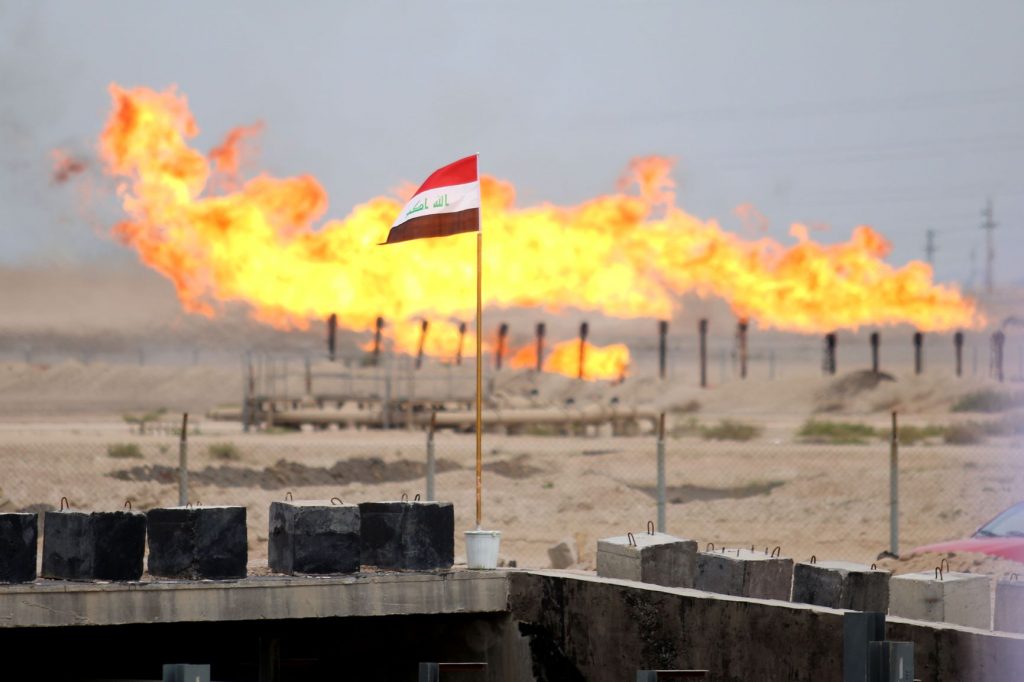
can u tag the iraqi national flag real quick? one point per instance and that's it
(447, 203)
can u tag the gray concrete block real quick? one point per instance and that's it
(18, 543)
(841, 585)
(1009, 606)
(417, 536)
(186, 672)
(314, 537)
(93, 546)
(656, 558)
(744, 573)
(960, 598)
(197, 542)
(563, 555)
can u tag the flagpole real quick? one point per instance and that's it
(479, 380)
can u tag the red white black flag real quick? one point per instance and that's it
(447, 203)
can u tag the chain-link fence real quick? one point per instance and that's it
(732, 483)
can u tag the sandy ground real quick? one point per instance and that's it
(826, 500)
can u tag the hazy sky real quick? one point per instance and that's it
(897, 114)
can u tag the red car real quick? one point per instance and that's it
(1003, 537)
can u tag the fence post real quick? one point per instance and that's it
(183, 462)
(430, 456)
(661, 473)
(894, 489)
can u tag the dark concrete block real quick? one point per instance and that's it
(745, 573)
(314, 537)
(93, 546)
(417, 536)
(197, 542)
(18, 542)
(841, 585)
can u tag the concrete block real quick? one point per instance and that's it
(195, 543)
(745, 573)
(417, 536)
(841, 585)
(18, 542)
(960, 598)
(1009, 606)
(656, 558)
(93, 546)
(186, 672)
(563, 555)
(314, 537)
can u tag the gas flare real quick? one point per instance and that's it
(257, 241)
(599, 362)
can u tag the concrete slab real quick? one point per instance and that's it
(93, 546)
(18, 547)
(197, 542)
(1009, 606)
(841, 585)
(745, 573)
(53, 604)
(314, 536)
(414, 536)
(961, 598)
(656, 558)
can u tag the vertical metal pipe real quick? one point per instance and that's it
(661, 473)
(958, 346)
(423, 338)
(377, 340)
(662, 347)
(702, 330)
(502, 336)
(309, 376)
(918, 352)
(183, 462)
(249, 405)
(741, 342)
(584, 330)
(894, 489)
(998, 343)
(332, 333)
(541, 329)
(875, 342)
(829, 365)
(462, 337)
(431, 464)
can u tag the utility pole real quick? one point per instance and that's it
(929, 247)
(990, 253)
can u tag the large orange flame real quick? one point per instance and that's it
(622, 254)
(607, 362)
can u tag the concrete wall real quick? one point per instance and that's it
(604, 630)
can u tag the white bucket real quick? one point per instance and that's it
(482, 548)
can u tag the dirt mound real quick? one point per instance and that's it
(513, 468)
(853, 384)
(681, 494)
(960, 563)
(286, 474)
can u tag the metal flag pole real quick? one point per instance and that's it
(479, 379)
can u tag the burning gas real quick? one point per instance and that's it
(219, 239)
(608, 362)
